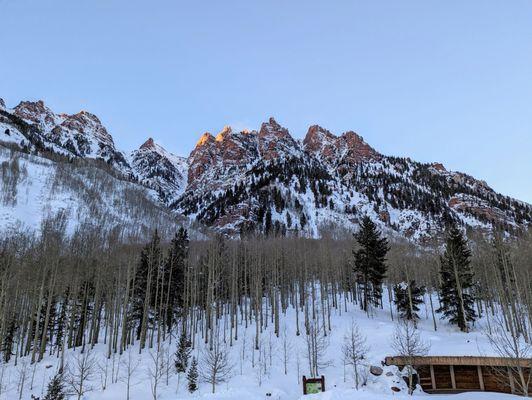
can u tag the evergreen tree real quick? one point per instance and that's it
(60, 324)
(145, 281)
(408, 296)
(369, 262)
(182, 354)
(192, 376)
(55, 389)
(7, 343)
(457, 281)
(174, 274)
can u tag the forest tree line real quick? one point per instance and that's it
(59, 292)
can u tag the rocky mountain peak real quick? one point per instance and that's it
(160, 170)
(275, 141)
(214, 156)
(205, 140)
(2, 104)
(80, 135)
(225, 132)
(36, 112)
(320, 142)
(438, 167)
(349, 148)
(85, 127)
(356, 150)
(318, 133)
(87, 116)
(148, 144)
(272, 126)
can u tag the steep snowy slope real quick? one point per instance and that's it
(35, 188)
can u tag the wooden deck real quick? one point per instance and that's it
(455, 374)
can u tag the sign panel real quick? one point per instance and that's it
(313, 385)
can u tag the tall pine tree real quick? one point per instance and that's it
(369, 263)
(457, 281)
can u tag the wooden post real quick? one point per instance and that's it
(453, 380)
(480, 378)
(323, 383)
(432, 377)
(304, 384)
(511, 378)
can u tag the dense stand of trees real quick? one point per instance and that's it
(59, 292)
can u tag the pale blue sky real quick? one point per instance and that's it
(447, 81)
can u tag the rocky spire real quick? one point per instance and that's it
(320, 142)
(356, 149)
(275, 141)
(349, 148)
(148, 144)
(204, 140)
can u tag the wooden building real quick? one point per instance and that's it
(443, 374)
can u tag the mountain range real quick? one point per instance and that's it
(264, 180)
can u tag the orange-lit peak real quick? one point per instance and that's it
(225, 131)
(205, 138)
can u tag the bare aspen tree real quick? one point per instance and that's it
(2, 373)
(511, 345)
(298, 364)
(407, 342)
(354, 351)
(22, 376)
(317, 344)
(129, 365)
(261, 367)
(103, 369)
(156, 369)
(287, 348)
(216, 366)
(81, 371)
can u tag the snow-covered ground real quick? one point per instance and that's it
(247, 383)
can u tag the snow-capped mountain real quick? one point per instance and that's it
(267, 181)
(160, 170)
(80, 135)
(67, 168)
